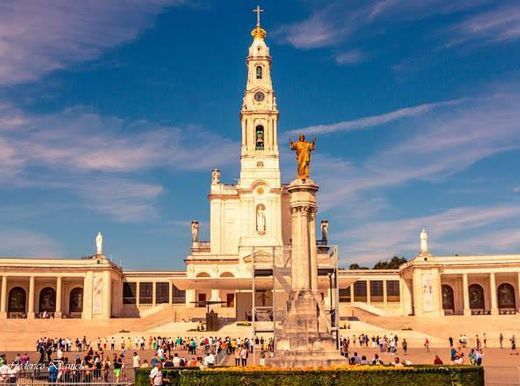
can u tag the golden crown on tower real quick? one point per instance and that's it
(258, 32)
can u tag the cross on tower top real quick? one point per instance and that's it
(258, 11)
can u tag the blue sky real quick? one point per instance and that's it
(112, 115)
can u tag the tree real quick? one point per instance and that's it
(394, 263)
(356, 266)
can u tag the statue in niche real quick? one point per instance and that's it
(194, 231)
(324, 230)
(215, 177)
(99, 244)
(260, 219)
(303, 155)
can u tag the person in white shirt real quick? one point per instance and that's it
(4, 373)
(156, 375)
(176, 360)
(136, 361)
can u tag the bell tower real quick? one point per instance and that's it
(259, 157)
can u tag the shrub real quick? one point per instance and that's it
(352, 376)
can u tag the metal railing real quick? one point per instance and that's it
(67, 376)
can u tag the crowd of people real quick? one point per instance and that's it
(108, 359)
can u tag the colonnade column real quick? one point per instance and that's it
(170, 293)
(368, 291)
(352, 292)
(215, 295)
(385, 295)
(30, 308)
(493, 288)
(465, 294)
(137, 293)
(518, 295)
(3, 299)
(58, 314)
(154, 293)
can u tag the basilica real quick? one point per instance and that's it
(240, 273)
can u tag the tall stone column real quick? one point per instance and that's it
(306, 337)
(58, 314)
(3, 299)
(369, 292)
(30, 306)
(493, 292)
(465, 294)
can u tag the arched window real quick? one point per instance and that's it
(16, 302)
(47, 300)
(259, 138)
(76, 300)
(259, 72)
(506, 296)
(447, 297)
(476, 297)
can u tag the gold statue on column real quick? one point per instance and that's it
(303, 155)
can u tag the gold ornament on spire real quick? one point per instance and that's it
(258, 32)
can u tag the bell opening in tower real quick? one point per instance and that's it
(259, 142)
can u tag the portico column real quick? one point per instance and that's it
(385, 295)
(518, 295)
(190, 298)
(215, 295)
(30, 308)
(137, 293)
(154, 293)
(368, 291)
(3, 299)
(352, 293)
(170, 293)
(493, 288)
(465, 294)
(57, 314)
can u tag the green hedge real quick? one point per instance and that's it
(419, 375)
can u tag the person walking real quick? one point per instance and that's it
(513, 346)
(501, 340)
(427, 345)
(405, 346)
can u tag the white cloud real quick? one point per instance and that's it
(350, 57)
(82, 141)
(37, 37)
(497, 25)
(20, 242)
(99, 158)
(376, 120)
(343, 20)
(372, 241)
(437, 147)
